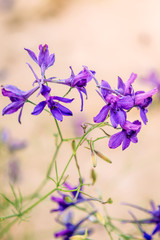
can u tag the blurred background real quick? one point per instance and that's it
(112, 37)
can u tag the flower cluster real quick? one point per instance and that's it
(67, 201)
(44, 60)
(117, 102)
(153, 219)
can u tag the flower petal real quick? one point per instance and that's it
(65, 111)
(56, 113)
(12, 107)
(143, 115)
(121, 86)
(126, 143)
(126, 102)
(39, 108)
(11, 90)
(62, 99)
(102, 114)
(105, 84)
(32, 55)
(116, 140)
(51, 60)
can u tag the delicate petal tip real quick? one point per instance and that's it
(121, 85)
(105, 88)
(32, 54)
(51, 60)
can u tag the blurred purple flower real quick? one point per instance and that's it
(115, 104)
(17, 97)
(44, 60)
(70, 228)
(64, 202)
(153, 219)
(12, 144)
(55, 107)
(14, 170)
(78, 81)
(154, 79)
(74, 193)
(128, 134)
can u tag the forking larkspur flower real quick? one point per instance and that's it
(55, 107)
(17, 97)
(115, 104)
(128, 134)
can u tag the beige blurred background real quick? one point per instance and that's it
(112, 37)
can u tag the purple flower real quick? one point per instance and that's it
(70, 228)
(78, 81)
(115, 104)
(64, 202)
(57, 110)
(153, 219)
(145, 234)
(44, 60)
(128, 134)
(142, 101)
(14, 170)
(12, 144)
(18, 99)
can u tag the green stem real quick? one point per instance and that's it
(53, 159)
(59, 131)
(79, 143)
(67, 92)
(39, 201)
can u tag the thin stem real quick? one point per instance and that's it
(100, 138)
(53, 159)
(67, 92)
(58, 128)
(71, 139)
(56, 170)
(79, 143)
(39, 201)
(78, 168)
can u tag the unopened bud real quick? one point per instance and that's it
(99, 154)
(93, 176)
